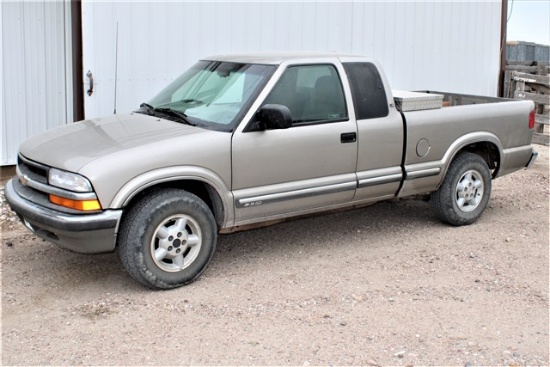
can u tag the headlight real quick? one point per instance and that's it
(69, 181)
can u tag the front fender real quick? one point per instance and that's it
(168, 174)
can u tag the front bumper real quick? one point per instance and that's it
(84, 233)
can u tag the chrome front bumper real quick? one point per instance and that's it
(84, 233)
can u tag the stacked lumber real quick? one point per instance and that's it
(532, 82)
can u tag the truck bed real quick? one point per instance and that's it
(457, 99)
(406, 101)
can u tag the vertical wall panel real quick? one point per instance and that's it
(34, 72)
(441, 45)
(3, 124)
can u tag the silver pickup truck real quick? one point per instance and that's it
(240, 140)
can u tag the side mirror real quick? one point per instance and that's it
(275, 116)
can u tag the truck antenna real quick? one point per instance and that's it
(116, 62)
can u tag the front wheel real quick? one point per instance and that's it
(167, 239)
(465, 191)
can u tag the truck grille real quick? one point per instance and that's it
(32, 184)
(33, 170)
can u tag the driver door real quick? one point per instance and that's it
(310, 165)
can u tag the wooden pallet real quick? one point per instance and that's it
(534, 87)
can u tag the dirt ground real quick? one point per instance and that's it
(383, 285)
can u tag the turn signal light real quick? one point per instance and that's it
(532, 119)
(84, 205)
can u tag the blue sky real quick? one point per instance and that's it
(529, 21)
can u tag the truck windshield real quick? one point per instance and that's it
(211, 94)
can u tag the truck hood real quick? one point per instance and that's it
(73, 146)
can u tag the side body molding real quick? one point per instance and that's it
(167, 174)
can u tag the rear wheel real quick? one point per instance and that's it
(167, 239)
(465, 191)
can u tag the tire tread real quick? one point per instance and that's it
(442, 200)
(136, 223)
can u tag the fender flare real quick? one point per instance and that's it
(179, 173)
(465, 140)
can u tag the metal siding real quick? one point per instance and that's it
(33, 69)
(3, 124)
(441, 45)
(527, 52)
(434, 45)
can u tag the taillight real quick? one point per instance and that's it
(532, 120)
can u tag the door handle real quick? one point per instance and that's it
(348, 138)
(91, 79)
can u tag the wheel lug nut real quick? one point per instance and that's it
(170, 238)
(179, 234)
(170, 248)
(178, 251)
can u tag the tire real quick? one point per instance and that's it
(167, 239)
(465, 191)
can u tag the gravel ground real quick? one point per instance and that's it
(383, 285)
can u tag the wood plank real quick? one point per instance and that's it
(513, 87)
(507, 81)
(527, 69)
(537, 98)
(539, 79)
(542, 119)
(543, 139)
(526, 63)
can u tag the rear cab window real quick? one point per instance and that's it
(367, 90)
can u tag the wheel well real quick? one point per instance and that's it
(488, 151)
(204, 191)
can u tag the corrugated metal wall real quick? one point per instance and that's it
(527, 52)
(3, 126)
(439, 45)
(34, 80)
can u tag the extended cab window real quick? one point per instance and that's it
(367, 89)
(311, 92)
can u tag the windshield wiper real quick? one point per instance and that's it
(182, 117)
(148, 108)
(192, 101)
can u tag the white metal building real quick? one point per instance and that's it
(438, 45)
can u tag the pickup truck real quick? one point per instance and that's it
(241, 140)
